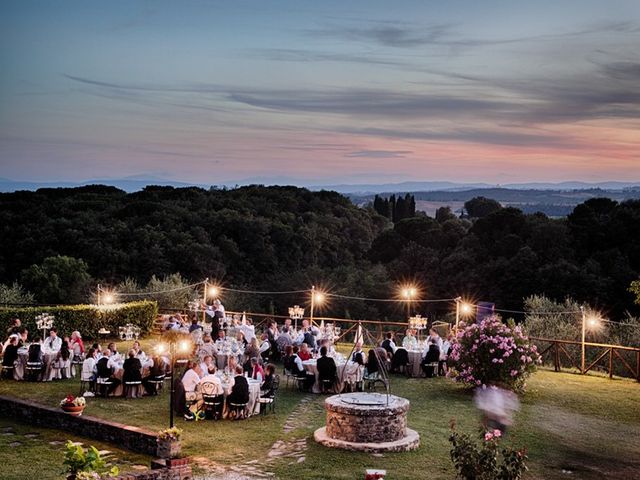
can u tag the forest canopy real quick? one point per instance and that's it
(288, 238)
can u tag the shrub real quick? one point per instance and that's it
(493, 353)
(485, 462)
(80, 462)
(87, 319)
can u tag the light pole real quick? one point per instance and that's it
(183, 346)
(584, 326)
(316, 297)
(408, 293)
(204, 298)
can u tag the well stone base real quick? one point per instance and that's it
(410, 441)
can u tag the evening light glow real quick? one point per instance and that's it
(317, 93)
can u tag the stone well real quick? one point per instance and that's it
(370, 422)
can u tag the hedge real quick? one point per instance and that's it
(87, 319)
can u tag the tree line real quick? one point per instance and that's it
(57, 244)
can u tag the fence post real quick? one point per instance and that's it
(557, 357)
(638, 365)
(611, 363)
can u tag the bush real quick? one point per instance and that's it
(493, 353)
(485, 462)
(87, 319)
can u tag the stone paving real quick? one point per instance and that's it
(291, 449)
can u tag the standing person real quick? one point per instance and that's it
(497, 406)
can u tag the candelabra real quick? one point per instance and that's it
(44, 322)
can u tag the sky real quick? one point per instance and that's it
(320, 92)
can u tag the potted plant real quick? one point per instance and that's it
(169, 443)
(86, 464)
(73, 405)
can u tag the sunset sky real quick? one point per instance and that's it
(320, 92)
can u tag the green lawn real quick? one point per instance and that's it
(588, 425)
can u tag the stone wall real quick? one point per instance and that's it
(125, 436)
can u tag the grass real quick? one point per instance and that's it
(567, 422)
(35, 457)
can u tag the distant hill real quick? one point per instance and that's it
(555, 203)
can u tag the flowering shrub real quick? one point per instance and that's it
(170, 434)
(487, 461)
(492, 353)
(71, 401)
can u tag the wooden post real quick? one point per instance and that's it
(557, 357)
(638, 365)
(611, 363)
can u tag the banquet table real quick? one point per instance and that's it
(226, 349)
(21, 364)
(415, 359)
(346, 372)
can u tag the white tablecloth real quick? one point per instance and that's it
(349, 372)
(415, 358)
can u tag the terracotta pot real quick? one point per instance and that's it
(74, 410)
(168, 449)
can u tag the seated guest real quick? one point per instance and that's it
(132, 368)
(358, 354)
(10, 356)
(266, 389)
(76, 345)
(373, 362)
(13, 329)
(304, 353)
(265, 347)
(105, 370)
(62, 362)
(253, 349)
(232, 363)
(326, 367)
(157, 371)
(287, 359)
(190, 382)
(299, 371)
(116, 357)
(389, 345)
(211, 377)
(257, 373)
(97, 348)
(194, 325)
(35, 351)
(23, 334)
(242, 341)
(206, 364)
(444, 355)
(410, 342)
(282, 342)
(53, 342)
(286, 327)
(240, 390)
(331, 351)
(89, 367)
(431, 358)
(207, 347)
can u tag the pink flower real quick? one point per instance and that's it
(497, 433)
(488, 436)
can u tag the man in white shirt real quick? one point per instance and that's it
(409, 342)
(433, 335)
(53, 343)
(207, 364)
(190, 381)
(219, 308)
